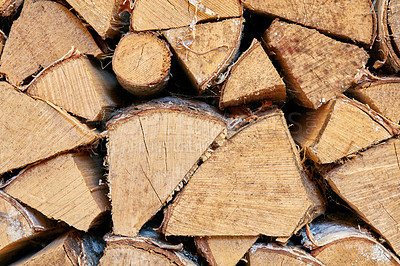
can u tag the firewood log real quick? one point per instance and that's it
(9, 7)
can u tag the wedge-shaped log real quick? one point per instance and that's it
(338, 243)
(206, 50)
(369, 183)
(142, 251)
(102, 15)
(316, 67)
(167, 14)
(18, 221)
(151, 149)
(273, 254)
(77, 85)
(340, 128)
(33, 130)
(224, 250)
(381, 95)
(44, 32)
(353, 20)
(142, 62)
(253, 184)
(67, 187)
(9, 7)
(252, 78)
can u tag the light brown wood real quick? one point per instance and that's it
(142, 62)
(353, 20)
(9, 7)
(381, 95)
(67, 188)
(224, 250)
(206, 50)
(342, 244)
(369, 184)
(252, 78)
(33, 130)
(340, 128)
(102, 15)
(44, 32)
(150, 150)
(78, 85)
(316, 67)
(253, 184)
(167, 14)
(272, 254)
(140, 251)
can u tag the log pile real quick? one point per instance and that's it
(190, 132)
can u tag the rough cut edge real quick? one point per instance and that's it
(10, 7)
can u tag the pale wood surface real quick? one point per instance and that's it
(150, 150)
(353, 20)
(9, 7)
(224, 250)
(338, 129)
(33, 130)
(393, 20)
(369, 184)
(316, 67)
(64, 188)
(166, 14)
(44, 32)
(252, 78)
(102, 15)
(142, 62)
(78, 85)
(253, 184)
(206, 50)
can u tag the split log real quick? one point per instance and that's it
(381, 95)
(224, 250)
(272, 254)
(102, 15)
(206, 50)
(142, 251)
(67, 187)
(253, 184)
(336, 243)
(316, 68)
(9, 7)
(151, 148)
(340, 128)
(352, 20)
(18, 221)
(77, 85)
(167, 14)
(2, 41)
(33, 130)
(142, 63)
(44, 32)
(369, 183)
(252, 78)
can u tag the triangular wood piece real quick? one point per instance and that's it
(381, 95)
(66, 188)
(167, 14)
(18, 221)
(102, 15)
(77, 85)
(369, 184)
(206, 50)
(37, 130)
(151, 149)
(253, 184)
(272, 254)
(9, 7)
(252, 78)
(337, 243)
(44, 32)
(142, 251)
(224, 250)
(316, 67)
(340, 128)
(353, 20)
